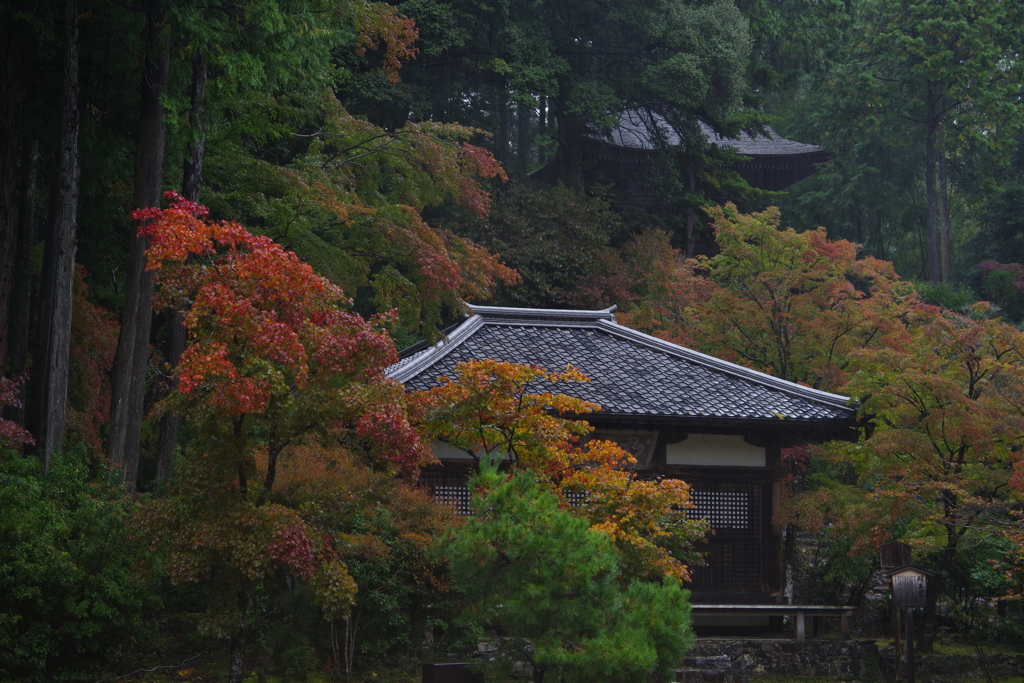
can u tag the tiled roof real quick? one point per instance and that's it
(632, 374)
(642, 130)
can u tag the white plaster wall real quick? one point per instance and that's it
(715, 450)
(445, 451)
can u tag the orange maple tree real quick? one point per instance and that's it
(793, 304)
(274, 361)
(496, 409)
(941, 390)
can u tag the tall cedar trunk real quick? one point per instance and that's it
(192, 183)
(50, 381)
(502, 137)
(12, 96)
(570, 150)
(21, 295)
(524, 117)
(931, 213)
(943, 209)
(129, 381)
(690, 217)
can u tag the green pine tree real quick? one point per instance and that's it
(543, 588)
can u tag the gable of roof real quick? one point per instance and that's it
(632, 374)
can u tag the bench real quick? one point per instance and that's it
(799, 612)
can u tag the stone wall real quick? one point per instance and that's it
(737, 661)
(740, 661)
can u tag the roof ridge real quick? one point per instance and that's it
(511, 313)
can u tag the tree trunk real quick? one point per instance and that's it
(12, 96)
(947, 560)
(191, 184)
(21, 296)
(570, 151)
(943, 210)
(129, 381)
(690, 214)
(50, 388)
(524, 117)
(501, 136)
(931, 213)
(192, 178)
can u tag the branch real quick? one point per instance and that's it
(157, 668)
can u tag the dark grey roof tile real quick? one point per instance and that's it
(631, 374)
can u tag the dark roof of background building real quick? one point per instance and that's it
(642, 130)
(632, 374)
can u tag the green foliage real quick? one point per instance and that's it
(792, 38)
(348, 197)
(543, 588)
(552, 237)
(916, 84)
(580, 64)
(1001, 238)
(869, 191)
(67, 599)
(958, 298)
(977, 579)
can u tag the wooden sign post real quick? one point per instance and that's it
(909, 590)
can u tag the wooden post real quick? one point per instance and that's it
(910, 644)
(899, 645)
(800, 631)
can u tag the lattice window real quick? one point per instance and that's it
(722, 509)
(576, 498)
(454, 493)
(451, 492)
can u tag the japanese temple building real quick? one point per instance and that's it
(622, 157)
(683, 414)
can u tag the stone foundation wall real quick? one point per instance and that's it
(736, 661)
(739, 661)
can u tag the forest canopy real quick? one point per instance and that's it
(219, 221)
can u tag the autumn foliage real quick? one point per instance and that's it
(941, 391)
(516, 412)
(274, 361)
(93, 344)
(11, 433)
(794, 305)
(353, 200)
